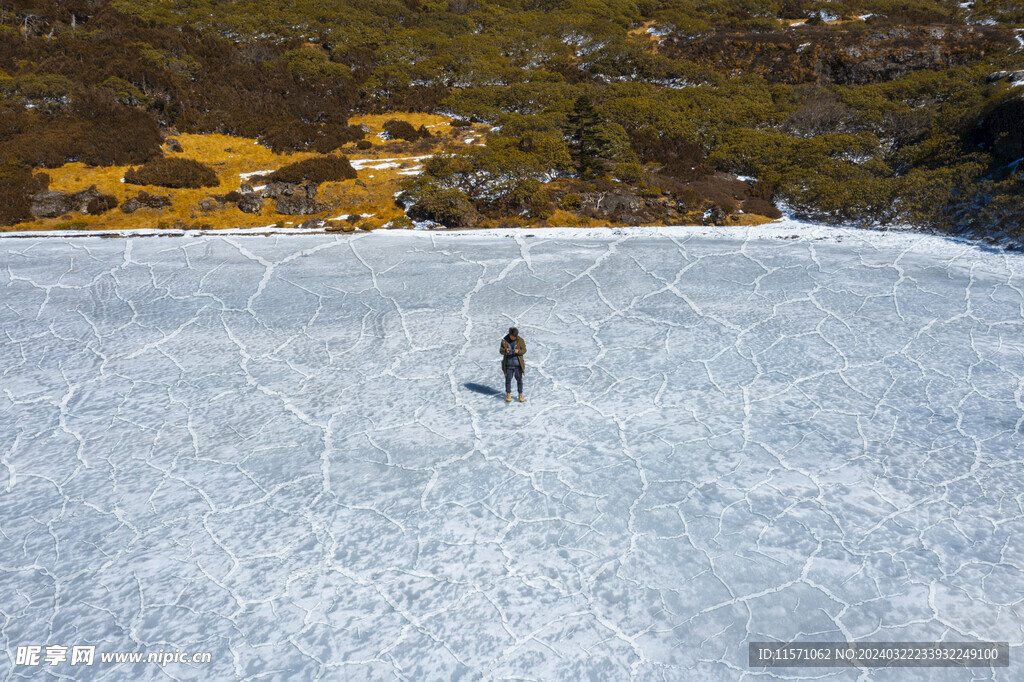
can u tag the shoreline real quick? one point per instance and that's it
(783, 229)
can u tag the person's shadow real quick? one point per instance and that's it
(481, 389)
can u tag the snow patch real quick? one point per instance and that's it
(380, 164)
(346, 216)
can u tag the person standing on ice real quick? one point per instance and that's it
(512, 364)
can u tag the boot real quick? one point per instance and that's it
(508, 397)
(521, 399)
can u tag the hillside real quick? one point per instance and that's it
(578, 113)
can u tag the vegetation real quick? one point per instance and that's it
(17, 183)
(173, 172)
(403, 130)
(316, 170)
(866, 111)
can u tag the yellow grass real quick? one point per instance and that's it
(230, 157)
(834, 22)
(371, 194)
(641, 31)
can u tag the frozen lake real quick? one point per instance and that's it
(294, 453)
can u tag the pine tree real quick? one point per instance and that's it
(588, 144)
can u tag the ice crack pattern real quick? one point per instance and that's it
(268, 448)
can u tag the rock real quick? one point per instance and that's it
(131, 206)
(246, 188)
(365, 128)
(297, 204)
(276, 189)
(206, 205)
(311, 224)
(605, 204)
(173, 145)
(52, 204)
(1011, 76)
(293, 198)
(145, 200)
(250, 202)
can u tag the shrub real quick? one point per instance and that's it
(722, 192)
(232, 197)
(110, 133)
(761, 207)
(96, 130)
(48, 87)
(763, 189)
(101, 204)
(688, 197)
(679, 157)
(17, 184)
(316, 170)
(313, 64)
(630, 173)
(173, 172)
(125, 92)
(1000, 130)
(530, 198)
(570, 202)
(364, 144)
(323, 138)
(450, 207)
(819, 115)
(402, 130)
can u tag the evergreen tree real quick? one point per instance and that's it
(588, 143)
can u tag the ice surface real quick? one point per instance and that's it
(293, 452)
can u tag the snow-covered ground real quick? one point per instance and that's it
(293, 452)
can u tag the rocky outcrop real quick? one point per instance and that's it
(294, 199)
(145, 200)
(250, 202)
(297, 204)
(276, 189)
(53, 204)
(624, 208)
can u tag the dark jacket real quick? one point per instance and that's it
(507, 352)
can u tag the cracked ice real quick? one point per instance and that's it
(271, 449)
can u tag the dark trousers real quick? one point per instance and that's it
(513, 371)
